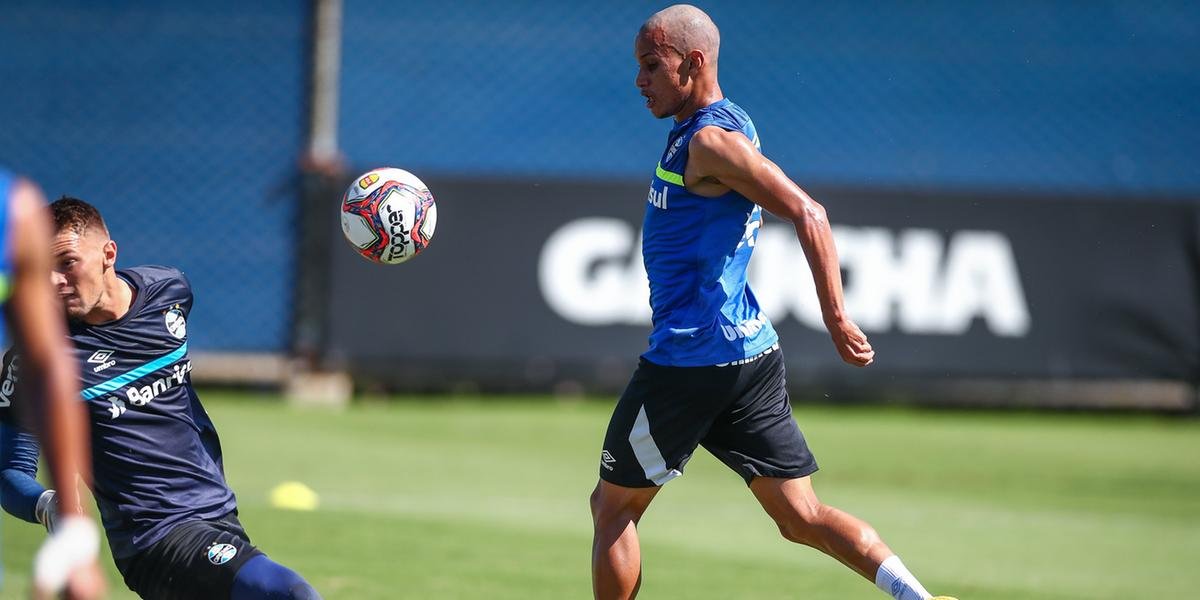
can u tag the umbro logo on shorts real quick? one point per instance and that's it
(606, 460)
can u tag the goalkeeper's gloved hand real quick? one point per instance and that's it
(46, 510)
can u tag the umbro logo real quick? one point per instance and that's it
(607, 460)
(102, 359)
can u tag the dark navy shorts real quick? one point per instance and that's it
(740, 413)
(195, 560)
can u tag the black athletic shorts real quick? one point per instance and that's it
(739, 412)
(195, 560)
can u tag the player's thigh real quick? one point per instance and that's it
(196, 560)
(756, 435)
(658, 422)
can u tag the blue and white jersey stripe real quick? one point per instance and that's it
(128, 377)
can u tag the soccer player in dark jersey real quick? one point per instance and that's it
(714, 375)
(68, 558)
(170, 517)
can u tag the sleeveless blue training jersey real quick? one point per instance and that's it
(155, 452)
(696, 250)
(6, 189)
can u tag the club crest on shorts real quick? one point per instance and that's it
(176, 323)
(219, 554)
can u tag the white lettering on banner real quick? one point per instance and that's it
(981, 280)
(590, 273)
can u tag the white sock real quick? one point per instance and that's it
(893, 578)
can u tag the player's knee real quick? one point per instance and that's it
(802, 524)
(606, 513)
(800, 533)
(605, 507)
(303, 591)
(262, 578)
(614, 511)
(594, 502)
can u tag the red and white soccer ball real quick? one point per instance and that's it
(388, 215)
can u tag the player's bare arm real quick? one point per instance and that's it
(722, 160)
(70, 554)
(42, 338)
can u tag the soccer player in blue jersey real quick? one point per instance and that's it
(714, 374)
(68, 558)
(170, 517)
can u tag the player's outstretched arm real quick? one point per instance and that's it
(730, 159)
(68, 558)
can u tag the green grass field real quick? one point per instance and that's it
(487, 499)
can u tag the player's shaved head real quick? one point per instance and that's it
(76, 216)
(683, 28)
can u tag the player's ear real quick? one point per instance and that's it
(110, 254)
(695, 61)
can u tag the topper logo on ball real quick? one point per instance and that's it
(388, 215)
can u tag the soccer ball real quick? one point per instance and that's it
(388, 215)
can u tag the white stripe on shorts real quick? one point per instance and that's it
(647, 452)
